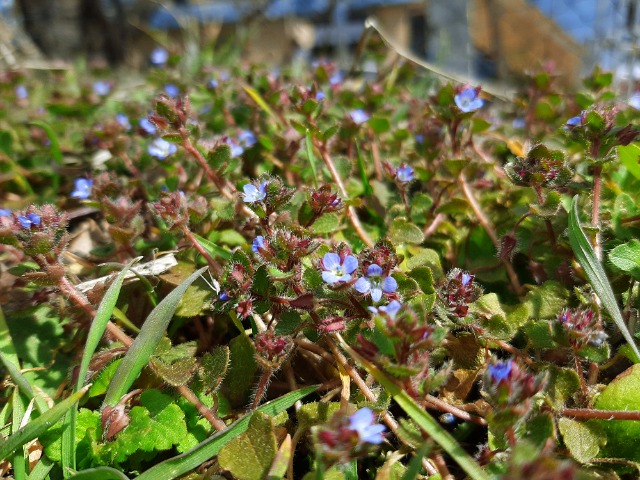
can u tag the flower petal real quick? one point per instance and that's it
(350, 263)
(331, 261)
(389, 284)
(376, 294)
(363, 285)
(374, 270)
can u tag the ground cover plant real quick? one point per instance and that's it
(243, 273)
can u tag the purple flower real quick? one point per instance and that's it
(161, 149)
(466, 279)
(159, 56)
(82, 188)
(22, 92)
(254, 194)
(5, 212)
(320, 96)
(634, 100)
(359, 116)
(123, 120)
(404, 173)
(223, 297)
(29, 220)
(257, 244)
(171, 90)
(102, 88)
(213, 83)
(363, 422)
(375, 284)
(468, 100)
(500, 371)
(337, 270)
(391, 309)
(148, 127)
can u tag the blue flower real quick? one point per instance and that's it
(336, 78)
(359, 116)
(5, 212)
(159, 56)
(634, 100)
(21, 92)
(391, 309)
(148, 127)
(29, 220)
(213, 83)
(161, 149)
(102, 88)
(172, 90)
(82, 188)
(466, 279)
(257, 244)
(254, 194)
(468, 100)
(404, 173)
(223, 297)
(420, 138)
(337, 270)
(246, 138)
(375, 284)
(123, 120)
(363, 422)
(236, 148)
(320, 96)
(519, 123)
(573, 122)
(500, 371)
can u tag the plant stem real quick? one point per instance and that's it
(488, 227)
(215, 266)
(589, 413)
(351, 211)
(595, 209)
(205, 411)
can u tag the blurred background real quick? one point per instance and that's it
(478, 39)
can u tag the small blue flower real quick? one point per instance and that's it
(257, 244)
(420, 138)
(223, 297)
(375, 284)
(171, 90)
(123, 120)
(159, 56)
(161, 149)
(500, 371)
(320, 96)
(468, 100)
(254, 194)
(573, 122)
(148, 127)
(213, 83)
(29, 220)
(336, 78)
(236, 148)
(102, 88)
(363, 422)
(337, 270)
(404, 173)
(466, 279)
(246, 138)
(82, 188)
(5, 212)
(21, 92)
(391, 309)
(519, 123)
(359, 116)
(634, 100)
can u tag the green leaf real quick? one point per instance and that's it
(219, 156)
(327, 223)
(213, 368)
(54, 144)
(212, 248)
(99, 473)
(364, 179)
(581, 438)
(424, 277)
(402, 231)
(315, 413)
(281, 462)
(176, 466)
(41, 424)
(249, 456)
(623, 393)
(145, 343)
(312, 158)
(253, 93)
(630, 157)
(627, 258)
(546, 300)
(242, 371)
(595, 273)
(563, 385)
(422, 418)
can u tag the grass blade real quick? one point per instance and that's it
(56, 152)
(212, 248)
(98, 326)
(366, 186)
(421, 417)
(253, 93)
(312, 158)
(99, 473)
(181, 464)
(145, 343)
(42, 469)
(595, 274)
(34, 428)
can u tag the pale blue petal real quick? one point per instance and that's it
(363, 285)
(350, 264)
(330, 277)
(374, 270)
(389, 285)
(331, 261)
(376, 294)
